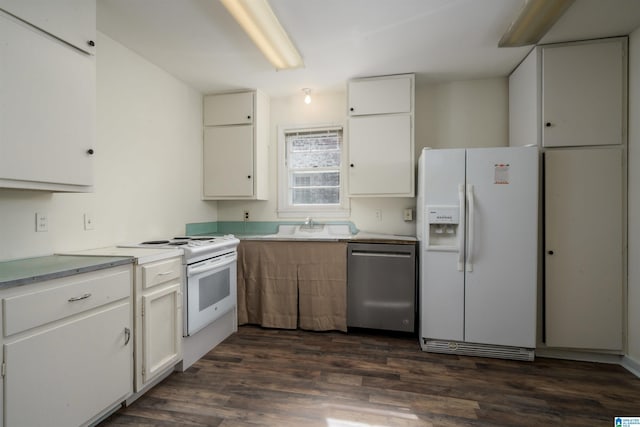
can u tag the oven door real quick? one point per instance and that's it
(210, 291)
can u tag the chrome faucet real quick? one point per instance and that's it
(308, 223)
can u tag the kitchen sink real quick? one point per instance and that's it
(315, 231)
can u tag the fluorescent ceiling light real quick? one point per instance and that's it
(533, 22)
(261, 24)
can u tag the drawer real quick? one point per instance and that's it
(160, 272)
(52, 300)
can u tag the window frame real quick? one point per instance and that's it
(285, 208)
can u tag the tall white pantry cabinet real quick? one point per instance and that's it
(570, 100)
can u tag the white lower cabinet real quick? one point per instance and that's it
(158, 319)
(76, 363)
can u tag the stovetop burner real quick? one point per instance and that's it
(195, 248)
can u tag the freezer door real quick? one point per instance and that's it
(501, 270)
(441, 283)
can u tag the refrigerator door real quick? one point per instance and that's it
(501, 270)
(442, 283)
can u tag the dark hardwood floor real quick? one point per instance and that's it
(263, 377)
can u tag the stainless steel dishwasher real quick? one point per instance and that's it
(381, 286)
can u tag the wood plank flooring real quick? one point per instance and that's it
(267, 377)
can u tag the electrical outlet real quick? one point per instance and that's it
(246, 215)
(88, 221)
(42, 222)
(379, 215)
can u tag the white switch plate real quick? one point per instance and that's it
(42, 222)
(88, 221)
(408, 214)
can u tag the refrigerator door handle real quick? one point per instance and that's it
(471, 204)
(461, 228)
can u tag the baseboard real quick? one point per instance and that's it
(582, 356)
(631, 365)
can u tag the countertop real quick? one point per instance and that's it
(140, 255)
(361, 237)
(31, 270)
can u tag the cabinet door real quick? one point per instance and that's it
(73, 21)
(583, 245)
(228, 109)
(381, 156)
(66, 375)
(380, 96)
(583, 100)
(47, 109)
(161, 330)
(228, 161)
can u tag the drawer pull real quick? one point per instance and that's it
(73, 299)
(165, 273)
(127, 335)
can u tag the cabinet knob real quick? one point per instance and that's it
(91, 43)
(90, 151)
(351, 109)
(550, 252)
(248, 176)
(248, 117)
(351, 165)
(548, 124)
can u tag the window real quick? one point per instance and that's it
(310, 176)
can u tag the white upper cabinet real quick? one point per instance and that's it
(393, 94)
(570, 95)
(47, 110)
(229, 109)
(380, 158)
(73, 21)
(583, 94)
(380, 137)
(236, 146)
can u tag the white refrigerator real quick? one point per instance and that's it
(477, 219)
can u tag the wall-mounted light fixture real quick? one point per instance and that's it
(532, 23)
(260, 23)
(307, 96)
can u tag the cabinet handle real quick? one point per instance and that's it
(165, 273)
(550, 252)
(90, 151)
(248, 176)
(351, 109)
(127, 335)
(73, 299)
(91, 43)
(351, 165)
(548, 124)
(249, 117)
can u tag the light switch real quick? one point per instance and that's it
(88, 221)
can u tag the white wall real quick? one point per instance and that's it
(147, 166)
(633, 297)
(458, 114)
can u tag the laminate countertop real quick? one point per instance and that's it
(31, 270)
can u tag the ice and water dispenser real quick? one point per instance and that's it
(443, 223)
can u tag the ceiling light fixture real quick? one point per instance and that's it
(307, 96)
(534, 20)
(261, 24)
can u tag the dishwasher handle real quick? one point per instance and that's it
(382, 254)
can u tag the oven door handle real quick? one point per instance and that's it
(212, 265)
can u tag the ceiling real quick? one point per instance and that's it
(199, 43)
